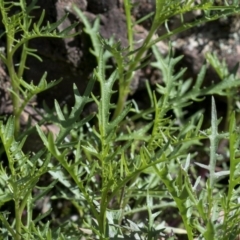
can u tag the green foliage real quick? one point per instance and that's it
(122, 162)
(18, 182)
(165, 11)
(19, 23)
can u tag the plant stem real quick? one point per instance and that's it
(29, 213)
(22, 61)
(214, 139)
(102, 214)
(127, 7)
(233, 161)
(124, 86)
(8, 227)
(18, 219)
(14, 82)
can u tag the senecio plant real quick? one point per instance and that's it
(122, 168)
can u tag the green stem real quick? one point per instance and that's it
(78, 182)
(14, 82)
(179, 201)
(214, 139)
(163, 205)
(124, 87)
(29, 213)
(85, 193)
(7, 226)
(22, 62)
(233, 161)
(102, 215)
(18, 217)
(230, 107)
(127, 7)
(26, 197)
(187, 226)
(106, 185)
(210, 202)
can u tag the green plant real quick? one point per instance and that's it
(127, 64)
(110, 152)
(19, 30)
(123, 160)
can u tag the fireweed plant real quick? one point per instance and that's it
(121, 168)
